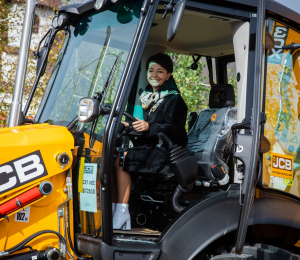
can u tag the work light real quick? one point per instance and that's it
(100, 4)
(63, 20)
(88, 109)
(55, 22)
(116, 1)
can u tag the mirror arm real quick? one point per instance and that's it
(169, 9)
(36, 81)
(106, 111)
(293, 46)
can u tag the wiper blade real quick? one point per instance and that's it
(104, 92)
(101, 59)
(72, 123)
(110, 78)
(49, 39)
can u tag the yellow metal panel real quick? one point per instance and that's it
(50, 141)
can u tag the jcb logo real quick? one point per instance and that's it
(282, 166)
(21, 171)
(282, 163)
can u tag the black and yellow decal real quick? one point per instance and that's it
(282, 166)
(22, 170)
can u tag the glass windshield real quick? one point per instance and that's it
(86, 60)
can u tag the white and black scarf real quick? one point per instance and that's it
(147, 98)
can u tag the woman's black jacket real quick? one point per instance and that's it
(169, 118)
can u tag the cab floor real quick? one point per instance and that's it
(138, 231)
(137, 235)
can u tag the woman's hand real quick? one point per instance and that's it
(126, 124)
(140, 125)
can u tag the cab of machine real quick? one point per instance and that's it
(106, 52)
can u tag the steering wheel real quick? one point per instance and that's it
(129, 116)
(125, 131)
(130, 131)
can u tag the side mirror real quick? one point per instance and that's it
(43, 53)
(269, 41)
(175, 19)
(265, 144)
(89, 109)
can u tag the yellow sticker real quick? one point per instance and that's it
(282, 166)
(80, 175)
(213, 117)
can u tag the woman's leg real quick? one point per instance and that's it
(123, 183)
(121, 217)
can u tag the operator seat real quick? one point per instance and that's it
(210, 138)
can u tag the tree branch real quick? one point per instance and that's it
(16, 12)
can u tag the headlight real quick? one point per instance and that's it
(101, 4)
(63, 20)
(117, 1)
(88, 109)
(55, 22)
(98, 4)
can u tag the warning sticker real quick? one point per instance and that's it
(23, 215)
(213, 117)
(282, 166)
(294, 140)
(88, 196)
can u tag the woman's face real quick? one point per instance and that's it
(157, 75)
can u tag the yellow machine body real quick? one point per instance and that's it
(50, 141)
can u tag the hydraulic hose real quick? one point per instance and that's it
(69, 234)
(176, 195)
(28, 239)
(176, 206)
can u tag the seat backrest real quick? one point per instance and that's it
(210, 138)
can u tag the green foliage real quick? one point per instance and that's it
(232, 80)
(190, 82)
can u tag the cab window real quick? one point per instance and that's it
(282, 107)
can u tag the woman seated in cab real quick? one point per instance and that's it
(165, 111)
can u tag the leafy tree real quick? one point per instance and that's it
(11, 18)
(190, 82)
(233, 81)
